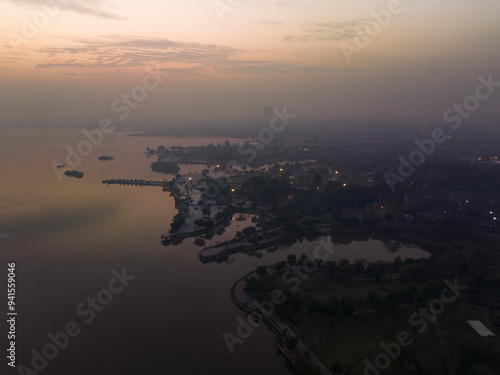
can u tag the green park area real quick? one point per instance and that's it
(387, 326)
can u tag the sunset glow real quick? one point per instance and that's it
(261, 52)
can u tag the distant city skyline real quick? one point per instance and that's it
(64, 62)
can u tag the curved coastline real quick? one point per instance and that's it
(222, 251)
(238, 296)
(426, 237)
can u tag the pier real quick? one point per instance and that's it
(136, 182)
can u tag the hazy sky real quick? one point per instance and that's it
(64, 62)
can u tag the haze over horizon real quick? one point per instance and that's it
(264, 53)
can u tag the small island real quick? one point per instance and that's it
(105, 158)
(167, 168)
(73, 173)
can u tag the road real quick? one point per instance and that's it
(275, 320)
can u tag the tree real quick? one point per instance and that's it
(291, 342)
(333, 306)
(261, 270)
(296, 302)
(344, 267)
(199, 242)
(373, 299)
(394, 299)
(337, 368)
(397, 264)
(408, 261)
(411, 292)
(199, 222)
(375, 271)
(238, 234)
(331, 267)
(167, 168)
(280, 266)
(393, 246)
(206, 210)
(359, 267)
(177, 223)
(302, 258)
(292, 259)
(347, 306)
(248, 231)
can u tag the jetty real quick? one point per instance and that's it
(136, 182)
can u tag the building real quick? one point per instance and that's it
(480, 328)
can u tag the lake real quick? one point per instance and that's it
(67, 237)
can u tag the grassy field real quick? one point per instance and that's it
(322, 287)
(446, 346)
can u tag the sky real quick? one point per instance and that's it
(63, 63)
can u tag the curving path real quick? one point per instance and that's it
(245, 302)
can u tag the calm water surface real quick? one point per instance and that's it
(66, 238)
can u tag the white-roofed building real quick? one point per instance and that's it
(480, 328)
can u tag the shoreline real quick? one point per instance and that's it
(425, 237)
(220, 252)
(278, 327)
